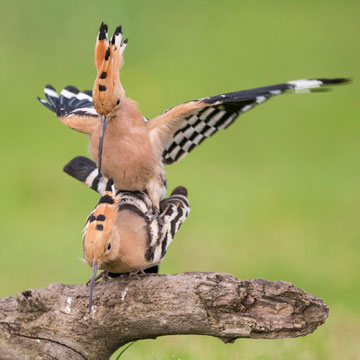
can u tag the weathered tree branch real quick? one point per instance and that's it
(54, 322)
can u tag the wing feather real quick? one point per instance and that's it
(204, 117)
(73, 107)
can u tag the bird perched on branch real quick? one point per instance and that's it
(134, 150)
(119, 235)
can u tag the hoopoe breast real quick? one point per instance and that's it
(130, 245)
(128, 157)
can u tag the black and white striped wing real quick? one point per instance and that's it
(86, 171)
(174, 211)
(219, 112)
(70, 102)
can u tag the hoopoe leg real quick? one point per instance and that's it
(104, 275)
(156, 189)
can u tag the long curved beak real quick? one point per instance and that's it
(104, 122)
(95, 266)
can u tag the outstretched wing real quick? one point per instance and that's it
(197, 120)
(73, 107)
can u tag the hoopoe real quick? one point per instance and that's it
(134, 151)
(120, 236)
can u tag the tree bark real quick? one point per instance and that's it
(54, 322)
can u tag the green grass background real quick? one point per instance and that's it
(275, 196)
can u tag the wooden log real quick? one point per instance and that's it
(55, 323)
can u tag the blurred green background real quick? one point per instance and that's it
(275, 196)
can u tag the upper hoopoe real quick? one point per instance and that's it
(119, 235)
(134, 149)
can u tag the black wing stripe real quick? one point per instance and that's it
(46, 104)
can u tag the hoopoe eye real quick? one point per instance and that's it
(108, 246)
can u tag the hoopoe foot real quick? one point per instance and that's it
(104, 275)
(154, 214)
(137, 272)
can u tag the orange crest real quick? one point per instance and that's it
(99, 225)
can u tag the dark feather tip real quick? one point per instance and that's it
(113, 39)
(180, 190)
(103, 27)
(48, 86)
(118, 30)
(102, 31)
(126, 41)
(335, 81)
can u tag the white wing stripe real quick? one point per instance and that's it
(51, 93)
(199, 127)
(89, 180)
(178, 138)
(206, 113)
(228, 121)
(66, 93)
(210, 131)
(187, 145)
(305, 85)
(188, 132)
(90, 111)
(214, 119)
(247, 107)
(83, 96)
(191, 121)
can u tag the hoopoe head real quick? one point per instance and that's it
(101, 240)
(108, 94)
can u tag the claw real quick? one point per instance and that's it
(104, 275)
(154, 214)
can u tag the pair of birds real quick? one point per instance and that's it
(133, 224)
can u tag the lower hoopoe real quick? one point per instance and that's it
(119, 235)
(134, 149)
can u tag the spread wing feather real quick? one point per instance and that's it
(219, 112)
(70, 102)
